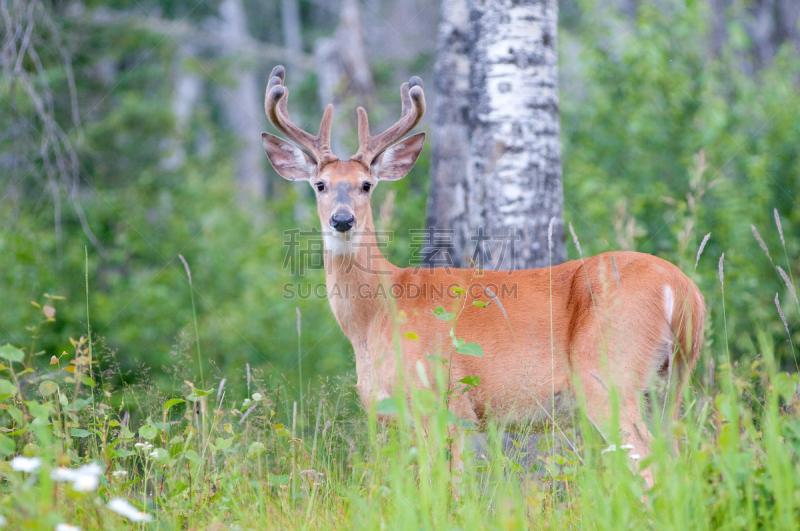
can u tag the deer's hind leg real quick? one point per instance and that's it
(621, 367)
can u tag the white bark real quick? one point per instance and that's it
(243, 102)
(512, 183)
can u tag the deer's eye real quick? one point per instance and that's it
(366, 187)
(320, 186)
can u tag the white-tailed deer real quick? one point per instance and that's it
(617, 319)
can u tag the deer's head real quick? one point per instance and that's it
(343, 188)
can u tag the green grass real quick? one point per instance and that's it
(336, 467)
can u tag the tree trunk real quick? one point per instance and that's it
(512, 176)
(242, 102)
(447, 207)
(292, 35)
(514, 169)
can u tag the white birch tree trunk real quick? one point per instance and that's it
(512, 176)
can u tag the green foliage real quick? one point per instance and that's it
(647, 101)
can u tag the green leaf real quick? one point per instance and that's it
(470, 349)
(148, 432)
(275, 480)
(78, 432)
(47, 388)
(411, 335)
(11, 353)
(387, 406)
(125, 433)
(442, 314)
(16, 414)
(466, 424)
(457, 290)
(458, 343)
(7, 446)
(223, 444)
(122, 453)
(255, 449)
(162, 456)
(193, 456)
(174, 402)
(7, 388)
(177, 488)
(196, 395)
(40, 411)
(481, 304)
(785, 385)
(283, 432)
(471, 380)
(85, 380)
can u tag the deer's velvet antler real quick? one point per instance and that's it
(275, 103)
(412, 97)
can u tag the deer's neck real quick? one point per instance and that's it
(359, 279)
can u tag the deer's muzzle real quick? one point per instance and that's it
(343, 221)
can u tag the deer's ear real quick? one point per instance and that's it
(397, 160)
(289, 161)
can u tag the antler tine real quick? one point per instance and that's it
(412, 97)
(276, 107)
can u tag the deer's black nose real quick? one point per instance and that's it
(343, 222)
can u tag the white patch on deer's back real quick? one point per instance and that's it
(669, 303)
(669, 306)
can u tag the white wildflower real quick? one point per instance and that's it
(611, 448)
(62, 474)
(247, 402)
(635, 457)
(125, 508)
(85, 483)
(257, 397)
(153, 454)
(25, 464)
(84, 479)
(3, 521)
(626, 447)
(119, 474)
(67, 527)
(145, 447)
